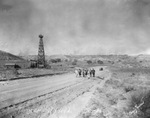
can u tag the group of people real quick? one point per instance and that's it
(85, 72)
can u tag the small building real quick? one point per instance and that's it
(17, 64)
(23, 64)
(33, 63)
(10, 66)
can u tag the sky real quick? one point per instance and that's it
(75, 26)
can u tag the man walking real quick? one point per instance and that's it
(93, 72)
(79, 72)
(90, 71)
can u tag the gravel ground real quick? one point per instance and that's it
(65, 99)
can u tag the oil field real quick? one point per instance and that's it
(74, 58)
(47, 87)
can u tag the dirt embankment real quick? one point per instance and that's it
(125, 95)
(28, 73)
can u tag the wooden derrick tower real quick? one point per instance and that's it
(41, 53)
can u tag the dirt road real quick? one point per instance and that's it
(46, 96)
(17, 91)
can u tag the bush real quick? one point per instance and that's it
(100, 62)
(74, 63)
(140, 105)
(89, 62)
(75, 60)
(111, 62)
(55, 60)
(128, 88)
(58, 60)
(66, 60)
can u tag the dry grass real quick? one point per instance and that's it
(125, 95)
(135, 83)
(140, 105)
(129, 88)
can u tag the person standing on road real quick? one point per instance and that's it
(86, 72)
(76, 72)
(83, 71)
(90, 71)
(79, 72)
(93, 72)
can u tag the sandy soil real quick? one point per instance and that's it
(108, 95)
(61, 96)
(115, 98)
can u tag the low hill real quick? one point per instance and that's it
(34, 57)
(8, 56)
(115, 58)
(143, 57)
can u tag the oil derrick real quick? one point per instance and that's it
(41, 53)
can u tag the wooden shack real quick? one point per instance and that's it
(10, 65)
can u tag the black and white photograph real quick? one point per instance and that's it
(74, 58)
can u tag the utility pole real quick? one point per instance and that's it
(41, 53)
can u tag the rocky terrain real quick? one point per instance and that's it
(125, 95)
(121, 89)
(113, 93)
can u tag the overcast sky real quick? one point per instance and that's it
(75, 26)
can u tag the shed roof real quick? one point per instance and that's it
(10, 64)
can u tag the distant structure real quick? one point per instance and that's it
(41, 53)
